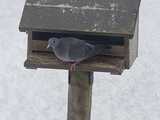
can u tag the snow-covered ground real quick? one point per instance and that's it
(42, 94)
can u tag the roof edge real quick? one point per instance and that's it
(23, 29)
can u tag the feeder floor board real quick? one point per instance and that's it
(115, 65)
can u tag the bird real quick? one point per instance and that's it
(73, 50)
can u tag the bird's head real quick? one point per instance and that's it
(53, 42)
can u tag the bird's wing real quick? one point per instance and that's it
(62, 51)
(80, 50)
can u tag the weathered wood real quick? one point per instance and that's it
(29, 43)
(40, 45)
(29, 47)
(115, 65)
(131, 47)
(90, 17)
(80, 95)
(115, 17)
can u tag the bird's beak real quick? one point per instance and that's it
(48, 46)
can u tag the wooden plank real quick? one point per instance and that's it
(80, 95)
(113, 17)
(29, 44)
(41, 45)
(131, 47)
(128, 5)
(115, 65)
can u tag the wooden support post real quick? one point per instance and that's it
(80, 95)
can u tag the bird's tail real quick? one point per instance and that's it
(103, 49)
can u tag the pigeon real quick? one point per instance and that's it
(73, 50)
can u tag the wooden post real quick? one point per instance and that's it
(80, 95)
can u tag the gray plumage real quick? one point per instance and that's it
(74, 50)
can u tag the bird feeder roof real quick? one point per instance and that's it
(115, 17)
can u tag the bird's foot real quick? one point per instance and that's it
(73, 67)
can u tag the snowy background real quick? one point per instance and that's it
(42, 94)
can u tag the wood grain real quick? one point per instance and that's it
(114, 65)
(80, 95)
(131, 47)
(41, 45)
(112, 17)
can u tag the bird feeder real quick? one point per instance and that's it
(110, 22)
